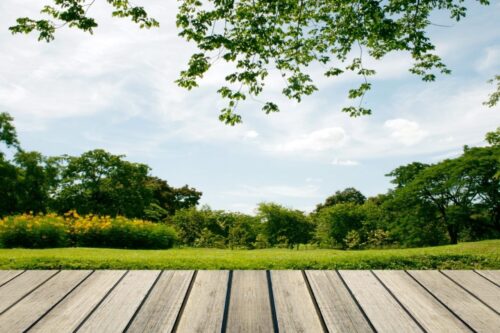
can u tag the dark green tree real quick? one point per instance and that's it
(333, 223)
(8, 171)
(166, 200)
(283, 226)
(36, 180)
(348, 195)
(8, 134)
(405, 174)
(102, 183)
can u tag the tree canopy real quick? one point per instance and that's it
(259, 37)
(348, 195)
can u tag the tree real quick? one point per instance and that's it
(405, 174)
(166, 200)
(257, 37)
(36, 180)
(8, 133)
(101, 183)
(348, 195)
(283, 226)
(495, 95)
(456, 188)
(335, 222)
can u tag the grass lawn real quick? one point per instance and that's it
(478, 255)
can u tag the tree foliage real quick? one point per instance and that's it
(283, 226)
(8, 134)
(259, 37)
(96, 182)
(348, 195)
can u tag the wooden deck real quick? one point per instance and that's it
(249, 301)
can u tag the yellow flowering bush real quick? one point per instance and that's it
(50, 230)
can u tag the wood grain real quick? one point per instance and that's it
(68, 314)
(249, 306)
(295, 309)
(476, 314)
(431, 314)
(6, 276)
(22, 315)
(21, 286)
(114, 313)
(382, 309)
(491, 275)
(204, 309)
(340, 311)
(478, 286)
(160, 310)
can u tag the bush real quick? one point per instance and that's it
(33, 231)
(215, 228)
(50, 230)
(352, 240)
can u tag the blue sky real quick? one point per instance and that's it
(115, 90)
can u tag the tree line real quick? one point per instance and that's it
(96, 182)
(450, 201)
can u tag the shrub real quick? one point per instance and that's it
(215, 228)
(284, 227)
(352, 240)
(33, 231)
(87, 231)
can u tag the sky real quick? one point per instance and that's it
(115, 90)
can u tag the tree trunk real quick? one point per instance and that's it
(453, 233)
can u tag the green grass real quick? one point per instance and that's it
(478, 255)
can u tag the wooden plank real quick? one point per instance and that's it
(384, 312)
(6, 276)
(114, 313)
(478, 286)
(160, 310)
(491, 275)
(22, 315)
(249, 305)
(431, 314)
(295, 309)
(13, 291)
(68, 314)
(204, 309)
(339, 310)
(476, 314)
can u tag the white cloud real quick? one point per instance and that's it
(338, 161)
(405, 131)
(251, 134)
(490, 60)
(316, 141)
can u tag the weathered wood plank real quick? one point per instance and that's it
(478, 286)
(476, 314)
(491, 275)
(21, 286)
(384, 312)
(114, 313)
(160, 310)
(431, 314)
(6, 276)
(249, 305)
(339, 310)
(68, 314)
(295, 309)
(22, 315)
(204, 309)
